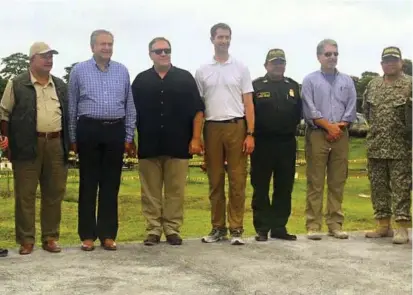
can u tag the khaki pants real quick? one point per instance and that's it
(224, 141)
(163, 213)
(321, 154)
(50, 170)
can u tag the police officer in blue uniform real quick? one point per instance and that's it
(278, 108)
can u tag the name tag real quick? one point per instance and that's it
(263, 94)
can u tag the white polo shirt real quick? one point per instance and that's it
(222, 85)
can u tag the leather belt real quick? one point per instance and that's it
(233, 120)
(49, 135)
(103, 121)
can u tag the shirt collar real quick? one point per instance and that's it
(34, 80)
(228, 61)
(336, 73)
(92, 60)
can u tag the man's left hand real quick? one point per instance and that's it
(130, 149)
(196, 147)
(249, 144)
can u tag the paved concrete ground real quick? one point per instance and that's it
(330, 266)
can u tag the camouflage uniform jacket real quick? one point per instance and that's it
(384, 106)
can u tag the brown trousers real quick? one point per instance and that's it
(224, 141)
(50, 170)
(322, 155)
(163, 213)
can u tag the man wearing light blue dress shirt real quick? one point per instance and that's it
(329, 106)
(102, 122)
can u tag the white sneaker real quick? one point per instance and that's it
(215, 235)
(236, 238)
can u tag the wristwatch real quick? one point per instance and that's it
(250, 133)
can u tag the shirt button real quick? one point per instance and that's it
(106, 102)
(105, 92)
(161, 114)
(161, 126)
(161, 102)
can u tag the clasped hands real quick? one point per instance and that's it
(335, 131)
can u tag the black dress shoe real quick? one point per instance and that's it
(283, 236)
(261, 237)
(3, 252)
(174, 239)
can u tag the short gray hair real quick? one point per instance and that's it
(154, 40)
(323, 43)
(96, 33)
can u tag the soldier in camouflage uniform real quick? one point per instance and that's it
(385, 105)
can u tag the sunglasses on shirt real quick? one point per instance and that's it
(159, 51)
(328, 54)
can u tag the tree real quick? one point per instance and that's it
(14, 65)
(361, 85)
(407, 66)
(68, 69)
(11, 66)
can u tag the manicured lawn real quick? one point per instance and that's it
(358, 211)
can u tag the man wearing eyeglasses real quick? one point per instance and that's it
(277, 106)
(34, 117)
(170, 112)
(389, 147)
(329, 106)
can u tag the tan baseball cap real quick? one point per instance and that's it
(40, 48)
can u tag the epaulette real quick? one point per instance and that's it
(259, 79)
(289, 80)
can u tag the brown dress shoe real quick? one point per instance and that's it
(151, 240)
(174, 239)
(51, 246)
(26, 249)
(109, 244)
(87, 245)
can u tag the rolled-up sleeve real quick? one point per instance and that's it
(7, 102)
(73, 97)
(307, 95)
(351, 107)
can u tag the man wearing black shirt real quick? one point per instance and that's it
(170, 112)
(278, 106)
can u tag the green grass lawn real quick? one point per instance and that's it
(358, 211)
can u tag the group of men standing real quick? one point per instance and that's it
(97, 113)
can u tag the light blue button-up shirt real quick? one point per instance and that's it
(335, 102)
(101, 95)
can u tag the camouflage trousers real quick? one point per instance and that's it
(390, 182)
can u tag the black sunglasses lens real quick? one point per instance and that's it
(159, 51)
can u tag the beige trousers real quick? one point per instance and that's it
(322, 156)
(163, 212)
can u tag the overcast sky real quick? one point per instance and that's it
(362, 29)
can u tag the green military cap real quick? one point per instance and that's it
(274, 54)
(391, 51)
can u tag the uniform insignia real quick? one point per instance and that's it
(291, 92)
(263, 94)
(265, 81)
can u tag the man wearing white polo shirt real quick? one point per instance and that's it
(226, 87)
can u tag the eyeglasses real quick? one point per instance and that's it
(328, 54)
(159, 51)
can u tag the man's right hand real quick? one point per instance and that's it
(73, 147)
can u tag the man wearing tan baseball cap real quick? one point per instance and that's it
(41, 48)
(34, 116)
